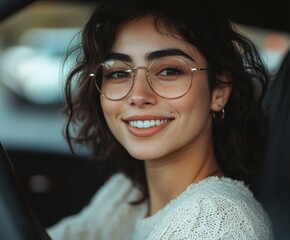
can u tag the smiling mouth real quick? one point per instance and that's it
(148, 123)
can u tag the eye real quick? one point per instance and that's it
(170, 71)
(117, 74)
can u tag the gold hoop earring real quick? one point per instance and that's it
(221, 113)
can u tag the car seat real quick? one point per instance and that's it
(275, 180)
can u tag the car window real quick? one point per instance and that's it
(272, 45)
(33, 43)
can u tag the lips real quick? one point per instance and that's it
(146, 126)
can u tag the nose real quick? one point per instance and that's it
(141, 94)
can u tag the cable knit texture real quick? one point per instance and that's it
(215, 208)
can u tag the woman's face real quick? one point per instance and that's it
(185, 123)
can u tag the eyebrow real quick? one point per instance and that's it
(118, 56)
(151, 56)
(167, 52)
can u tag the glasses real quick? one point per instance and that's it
(169, 77)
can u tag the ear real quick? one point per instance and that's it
(221, 93)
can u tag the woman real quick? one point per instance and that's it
(180, 90)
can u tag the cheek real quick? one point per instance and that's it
(194, 110)
(112, 113)
(197, 101)
(110, 110)
(195, 114)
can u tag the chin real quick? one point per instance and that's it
(146, 155)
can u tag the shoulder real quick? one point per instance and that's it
(117, 185)
(92, 220)
(218, 208)
(117, 192)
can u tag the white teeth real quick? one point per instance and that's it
(147, 123)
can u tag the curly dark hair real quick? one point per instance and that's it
(238, 139)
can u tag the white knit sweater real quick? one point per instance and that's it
(214, 208)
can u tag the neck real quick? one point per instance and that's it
(169, 178)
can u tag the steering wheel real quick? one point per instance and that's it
(17, 220)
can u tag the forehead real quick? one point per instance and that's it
(138, 38)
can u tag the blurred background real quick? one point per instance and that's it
(33, 45)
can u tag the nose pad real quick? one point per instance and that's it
(141, 92)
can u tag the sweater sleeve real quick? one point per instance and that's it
(91, 218)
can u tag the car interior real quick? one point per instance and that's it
(41, 181)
